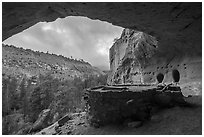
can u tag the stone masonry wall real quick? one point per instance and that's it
(111, 107)
(106, 106)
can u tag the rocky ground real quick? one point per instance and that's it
(169, 121)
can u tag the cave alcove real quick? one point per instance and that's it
(175, 75)
(160, 77)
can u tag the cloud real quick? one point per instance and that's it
(79, 37)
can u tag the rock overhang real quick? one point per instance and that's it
(176, 26)
(169, 21)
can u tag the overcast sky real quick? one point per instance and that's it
(79, 37)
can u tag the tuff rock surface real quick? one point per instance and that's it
(136, 58)
(129, 55)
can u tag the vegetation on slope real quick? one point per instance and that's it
(35, 82)
(24, 101)
(19, 61)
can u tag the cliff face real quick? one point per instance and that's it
(136, 57)
(18, 62)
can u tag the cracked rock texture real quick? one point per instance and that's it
(129, 55)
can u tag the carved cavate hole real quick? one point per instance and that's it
(176, 75)
(160, 77)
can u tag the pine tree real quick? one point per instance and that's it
(9, 95)
(5, 97)
(23, 97)
(35, 104)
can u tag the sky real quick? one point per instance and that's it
(79, 37)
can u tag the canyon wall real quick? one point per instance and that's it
(136, 58)
(21, 62)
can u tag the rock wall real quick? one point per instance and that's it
(136, 58)
(108, 105)
(111, 107)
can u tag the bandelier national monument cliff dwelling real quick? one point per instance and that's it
(161, 43)
(174, 31)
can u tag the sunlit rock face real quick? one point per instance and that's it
(136, 57)
(129, 55)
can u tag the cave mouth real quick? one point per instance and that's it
(75, 37)
(160, 77)
(176, 75)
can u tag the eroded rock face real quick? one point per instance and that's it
(136, 57)
(130, 55)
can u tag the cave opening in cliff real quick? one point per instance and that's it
(160, 77)
(176, 75)
(147, 98)
(76, 37)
